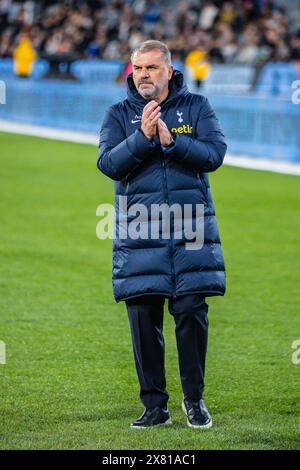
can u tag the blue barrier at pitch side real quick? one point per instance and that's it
(235, 79)
(39, 69)
(87, 70)
(261, 127)
(277, 79)
(268, 127)
(58, 104)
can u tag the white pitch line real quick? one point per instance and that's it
(49, 132)
(242, 161)
(265, 164)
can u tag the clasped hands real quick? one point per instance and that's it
(152, 124)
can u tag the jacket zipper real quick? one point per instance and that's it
(171, 245)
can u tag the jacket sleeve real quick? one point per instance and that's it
(204, 152)
(118, 155)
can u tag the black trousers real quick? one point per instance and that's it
(145, 315)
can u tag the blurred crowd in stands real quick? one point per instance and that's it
(236, 31)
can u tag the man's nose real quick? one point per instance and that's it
(145, 73)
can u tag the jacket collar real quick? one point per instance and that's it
(177, 88)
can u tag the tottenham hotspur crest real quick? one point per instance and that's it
(179, 116)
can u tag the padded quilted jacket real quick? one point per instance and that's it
(144, 172)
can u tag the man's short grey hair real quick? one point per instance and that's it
(152, 45)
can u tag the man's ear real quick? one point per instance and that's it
(170, 72)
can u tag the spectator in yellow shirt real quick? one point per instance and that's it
(198, 66)
(24, 57)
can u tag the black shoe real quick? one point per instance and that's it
(153, 417)
(197, 414)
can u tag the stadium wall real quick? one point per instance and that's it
(255, 124)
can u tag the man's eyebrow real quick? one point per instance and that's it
(151, 65)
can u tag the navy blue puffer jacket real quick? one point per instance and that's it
(147, 173)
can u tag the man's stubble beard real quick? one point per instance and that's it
(150, 95)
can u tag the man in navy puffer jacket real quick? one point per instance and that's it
(158, 146)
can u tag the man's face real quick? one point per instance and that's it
(151, 75)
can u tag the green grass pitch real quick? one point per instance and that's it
(69, 381)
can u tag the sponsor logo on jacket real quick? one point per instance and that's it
(185, 129)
